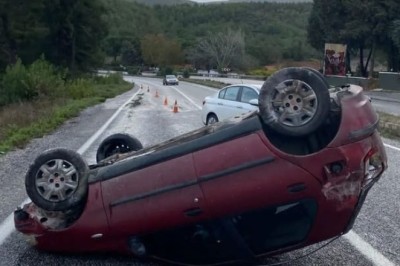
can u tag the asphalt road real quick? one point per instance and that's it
(373, 241)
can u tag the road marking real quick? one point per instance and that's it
(187, 97)
(367, 250)
(392, 147)
(7, 226)
(181, 93)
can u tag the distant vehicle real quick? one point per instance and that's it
(291, 174)
(170, 80)
(229, 102)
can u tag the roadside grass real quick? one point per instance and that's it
(21, 122)
(389, 126)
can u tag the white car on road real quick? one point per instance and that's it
(229, 102)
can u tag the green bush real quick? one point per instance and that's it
(20, 83)
(186, 73)
(14, 84)
(80, 88)
(165, 71)
(264, 72)
(44, 79)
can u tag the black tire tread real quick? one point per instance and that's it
(80, 194)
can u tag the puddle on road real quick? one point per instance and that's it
(137, 101)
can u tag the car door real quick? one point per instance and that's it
(247, 94)
(158, 196)
(245, 180)
(228, 105)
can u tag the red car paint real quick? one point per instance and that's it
(244, 173)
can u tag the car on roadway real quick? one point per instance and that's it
(230, 101)
(293, 173)
(170, 80)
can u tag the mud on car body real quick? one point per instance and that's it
(294, 173)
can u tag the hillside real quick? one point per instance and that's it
(272, 31)
(179, 2)
(272, 1)
(161, 2)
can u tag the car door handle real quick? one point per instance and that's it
(240, 107)
(193, 212)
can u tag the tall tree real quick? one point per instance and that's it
(21, 30)
(224, 49)
(76, 30)
(157, 50)
(361, 24)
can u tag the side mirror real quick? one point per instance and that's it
(254, 102)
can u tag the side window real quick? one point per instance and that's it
(248, 94)
(222, 94)
(231, 93)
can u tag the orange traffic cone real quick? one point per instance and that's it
(175, 108)
(165, 101)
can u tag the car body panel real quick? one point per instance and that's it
(221, 184)
(237, 102)
(154, 197)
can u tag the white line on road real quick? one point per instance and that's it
(7, 226)
(367, 250)
(392, 147)
(187, 97)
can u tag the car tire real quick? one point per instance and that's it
(319, 74)
(57, 180)
(294, 101)
(211, 119)
(117, 144)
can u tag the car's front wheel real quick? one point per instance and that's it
(117, 144)
(211, 119)
(57, 180)
(294, 101)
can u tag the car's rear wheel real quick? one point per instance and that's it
(294, 101)
(57, 180)
(211, 119)
(117, 144)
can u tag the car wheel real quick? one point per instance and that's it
(117, 144)
(211, 119)
(294, 101)
(319, 74)
(57, 180)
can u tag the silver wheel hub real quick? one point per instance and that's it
(294, 103)
(57, 180)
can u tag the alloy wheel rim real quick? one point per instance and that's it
(57, 180)
(294, 102)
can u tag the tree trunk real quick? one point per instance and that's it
(361, 64)
(73, 52)
(372, 65)
(10, 45)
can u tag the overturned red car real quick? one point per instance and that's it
(292, 174)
